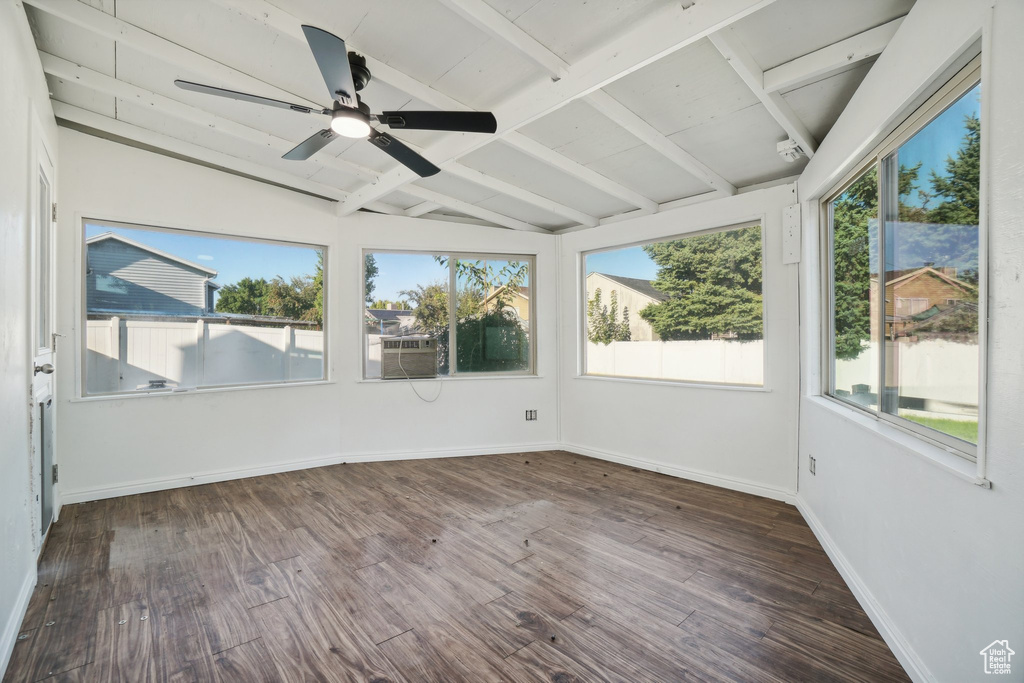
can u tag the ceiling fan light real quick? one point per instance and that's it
(350, 126)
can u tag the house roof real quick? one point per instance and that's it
(386, 314)
(914, 274)
(637, 285)
(145, 247)
(523, 292)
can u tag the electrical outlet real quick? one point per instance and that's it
(812, 464)
(531, 415)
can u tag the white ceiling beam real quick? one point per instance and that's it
(421, 208)
(831, 59)
(277, 19)
(625, 117)
(472, 210)
(667, 29)
(749, 70)
(99, 82)
(103, 24)
(494, 23)
(128, 131)
(593, 178)
(516, 192)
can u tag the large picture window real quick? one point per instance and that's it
(414, 327)
(685, 309)
(903, 241)
(169, 310)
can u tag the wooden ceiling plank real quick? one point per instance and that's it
(661, 33)
(472, 209)
(749, 70)
(279, 20)
(830, 59)
(506, 188)
(93, 80)
(622, 115)
(494, 23)
(593, 178)
(421, 208)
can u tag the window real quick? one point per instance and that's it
(905, 271)
(169, 310)
(408, 295)
(686, 309)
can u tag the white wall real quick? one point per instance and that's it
(153, 442)
(938, 560)
(691, 430)
(24, 98)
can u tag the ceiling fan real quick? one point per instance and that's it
(346, 74)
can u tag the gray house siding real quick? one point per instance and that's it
(122, 277)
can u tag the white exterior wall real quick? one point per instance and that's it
(251, 431)
(664, 425)
(936, 560)
(24, 112)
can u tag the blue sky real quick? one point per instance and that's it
(628, 262)
(938, 140)
(399, 272)
(232, 259)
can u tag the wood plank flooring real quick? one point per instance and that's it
(518, 567)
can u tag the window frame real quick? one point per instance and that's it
(951, 91)
(453, 256)
(582, 317)
(82, 313)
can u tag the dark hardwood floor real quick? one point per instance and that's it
(519, 567)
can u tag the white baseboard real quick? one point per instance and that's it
(731, 483)
(892, 636)
(148, 485)
(13, 625)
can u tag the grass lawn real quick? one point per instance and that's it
(961, 429)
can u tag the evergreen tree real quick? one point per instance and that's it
(370, 271)
(959, 187)
(713, 283)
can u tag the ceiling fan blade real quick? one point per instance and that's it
(466, 121)
(246, 97)
(332, 57)
(311, 145)
(403, 155)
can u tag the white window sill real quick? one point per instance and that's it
(446, 378)
(193, 392)
(944, 458)
(674, 383)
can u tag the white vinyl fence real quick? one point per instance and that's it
(717, 360)
(126, 355)
(935, 370)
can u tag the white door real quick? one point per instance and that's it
(43, 339)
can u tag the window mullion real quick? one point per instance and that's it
(452, 308)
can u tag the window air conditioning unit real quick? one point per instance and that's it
(408, 357)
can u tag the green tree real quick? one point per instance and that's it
(295, 299)
(318, 289)
(370, 271)
(248, 296)
(854, 236)
(602, 322)
(959, 187)
(430, 306)
(713, 283)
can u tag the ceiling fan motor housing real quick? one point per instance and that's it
(360, 74)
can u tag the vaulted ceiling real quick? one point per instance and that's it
(605, 108)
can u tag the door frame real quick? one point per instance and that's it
(41, 339)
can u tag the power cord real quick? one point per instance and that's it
(440, 385)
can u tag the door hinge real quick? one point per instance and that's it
(55, 212)
(54, 474)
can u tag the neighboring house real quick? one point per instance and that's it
(125, 276)
(390, 321)
(633, 294)
(519, 303)
(921, 293)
